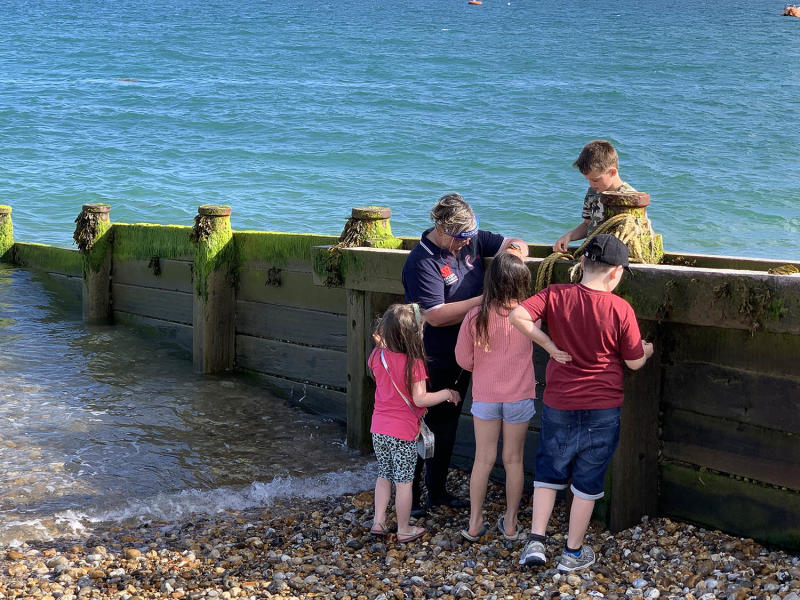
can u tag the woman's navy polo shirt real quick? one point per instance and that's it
(432, 276)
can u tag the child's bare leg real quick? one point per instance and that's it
(402, 504)
(513, 446)
(383, 493)
(544, 499)
(579, 516)
(486, 435)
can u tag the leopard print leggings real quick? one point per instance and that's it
(396, 458)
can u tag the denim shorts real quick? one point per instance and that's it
(576, 444)
(508, 412)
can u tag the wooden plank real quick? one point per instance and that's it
(764, 353)
(175, 275)
(372, 269)
(320, 366)
(177, 333)
(767, 514)
(325, 402)
(51, 259)
(289, 289)
(634, 476)
(152, 302)
(298, 325)
(731, 447)
(753, 398)
(748, 300)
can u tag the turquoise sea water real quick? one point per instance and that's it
(294, 112)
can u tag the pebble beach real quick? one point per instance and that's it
(298, 548)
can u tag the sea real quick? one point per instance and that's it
(293, 113)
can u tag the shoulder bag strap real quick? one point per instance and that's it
(402, 395)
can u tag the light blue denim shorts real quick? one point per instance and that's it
(508, 412)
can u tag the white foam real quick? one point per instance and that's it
(180, 506)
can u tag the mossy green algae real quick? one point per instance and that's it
(48, 258)
(277, 248)
(6, 232)
(214, 250)
(143, 241)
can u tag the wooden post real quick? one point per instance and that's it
(634, 471)
(6, 233)
(360, 387)
(214, 305)
(94, 239)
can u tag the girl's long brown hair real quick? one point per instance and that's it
(400, 332)
(507, 280)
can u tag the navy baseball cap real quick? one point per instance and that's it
(607, 249)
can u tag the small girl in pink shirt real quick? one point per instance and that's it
(398, 365)
(503, 388)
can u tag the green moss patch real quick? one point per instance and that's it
(48, 258)
(142, 241)
(214, 250)
(277, 248)
(6, 232)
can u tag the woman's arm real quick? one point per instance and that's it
(518, 246)
(451, 313)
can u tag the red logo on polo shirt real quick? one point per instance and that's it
(447, 274)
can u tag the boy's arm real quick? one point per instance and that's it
(578, 233)
(522, 320)
(634, 365)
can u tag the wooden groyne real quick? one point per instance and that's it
(710, 426)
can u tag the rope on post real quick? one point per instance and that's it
(626, 227)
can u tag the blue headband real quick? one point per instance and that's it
(466, 235)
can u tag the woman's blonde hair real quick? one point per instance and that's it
(400, 329)
(453, 214)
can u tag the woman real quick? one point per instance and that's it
(444, 275)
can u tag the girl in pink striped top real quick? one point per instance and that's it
(503, 388)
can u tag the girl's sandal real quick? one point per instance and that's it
(414, 534)
(379, 529)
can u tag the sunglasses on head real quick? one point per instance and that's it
(466, 235)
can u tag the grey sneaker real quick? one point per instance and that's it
(533, 554)
(568, 562)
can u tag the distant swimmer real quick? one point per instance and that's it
(127, 79)
(791, 11)
(474, 2)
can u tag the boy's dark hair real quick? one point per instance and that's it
(598, 156)
(402, 333)
(507, 280)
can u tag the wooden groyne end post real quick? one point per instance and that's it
(214, 303)
(338, 266)
(93, 235)
(6, 232)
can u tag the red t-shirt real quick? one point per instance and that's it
(599, 331)
(391, 415)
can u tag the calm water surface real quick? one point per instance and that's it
(294, 112)
(100, 424)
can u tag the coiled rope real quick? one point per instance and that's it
(626, 227)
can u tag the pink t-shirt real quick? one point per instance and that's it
(599, 330)
(504, 372)
(391, 415)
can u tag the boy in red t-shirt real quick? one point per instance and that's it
(592, 332)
